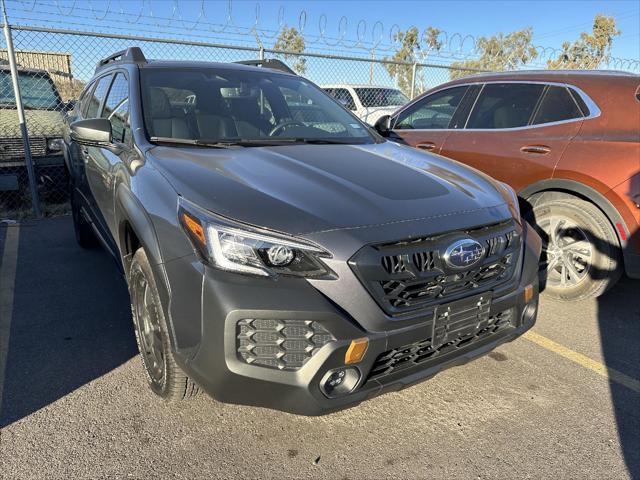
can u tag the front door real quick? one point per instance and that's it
(516, 132)
(104, 161)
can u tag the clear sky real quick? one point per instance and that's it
(552, 21)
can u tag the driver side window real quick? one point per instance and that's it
(433, 112)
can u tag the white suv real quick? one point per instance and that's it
(369, 102)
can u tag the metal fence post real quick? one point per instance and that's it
(11, 55)
(414, 68)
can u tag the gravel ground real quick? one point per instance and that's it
(75, 403)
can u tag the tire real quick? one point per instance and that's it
(581, 255)
(164, 376)
(83, 230)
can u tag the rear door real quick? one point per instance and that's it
(426, 123)
(516, 131)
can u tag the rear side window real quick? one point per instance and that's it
(433, 112)
(505, 105)
(116, 109)
(556, 105)
(98, 94)
(343, 96)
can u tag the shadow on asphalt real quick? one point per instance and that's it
(619, 323)
(71, 319)
(619, 326)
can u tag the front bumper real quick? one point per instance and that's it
(207, 349)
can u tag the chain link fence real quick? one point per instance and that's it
(53, 67)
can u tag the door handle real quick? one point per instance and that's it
(426, 146)
(539, 149)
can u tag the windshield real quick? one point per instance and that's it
(381, 97)
(230, 105)
(38, 92)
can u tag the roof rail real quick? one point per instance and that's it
(271, 63)
(130, 55)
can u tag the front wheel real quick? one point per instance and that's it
(581, 256)
(165, 378)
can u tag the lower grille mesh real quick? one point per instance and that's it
(459, 333)
(281, 344)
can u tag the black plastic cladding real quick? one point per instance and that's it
(467, 328)
(412, 274)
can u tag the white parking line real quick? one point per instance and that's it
(7, 286)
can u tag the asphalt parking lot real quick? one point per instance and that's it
(563, 402)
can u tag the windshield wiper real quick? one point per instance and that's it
(254, 142)
(326, 141)
(191, 141)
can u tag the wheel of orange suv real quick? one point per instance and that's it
(581, 256)
(165, 378)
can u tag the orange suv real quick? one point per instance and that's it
(567, 141)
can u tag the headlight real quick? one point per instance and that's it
(54, 144)
(228, 245)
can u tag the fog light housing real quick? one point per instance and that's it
(529, 312)
(340, 381)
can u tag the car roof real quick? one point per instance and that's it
(4, 67)
(175, 64)
(550, 75)
(356, 85)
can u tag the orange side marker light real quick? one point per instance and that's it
(356, 350)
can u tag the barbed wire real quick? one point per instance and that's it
(377, 40)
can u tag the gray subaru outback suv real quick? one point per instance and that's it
(279, 252)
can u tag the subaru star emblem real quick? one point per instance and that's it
(463, 253)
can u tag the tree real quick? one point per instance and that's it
(498, 53)
(292, 42)
(411, 50)
(591, 49)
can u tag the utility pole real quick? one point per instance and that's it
(11, 54)
(413, 79)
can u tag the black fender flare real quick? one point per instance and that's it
(129, 209)
(582, 190)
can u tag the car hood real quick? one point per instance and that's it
(40, 123)
(307, 189)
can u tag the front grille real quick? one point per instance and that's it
(452, 331)
(12, 148)
(412, 274)
(281, 344)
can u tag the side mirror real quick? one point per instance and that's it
(93, 131)
(383, 125)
